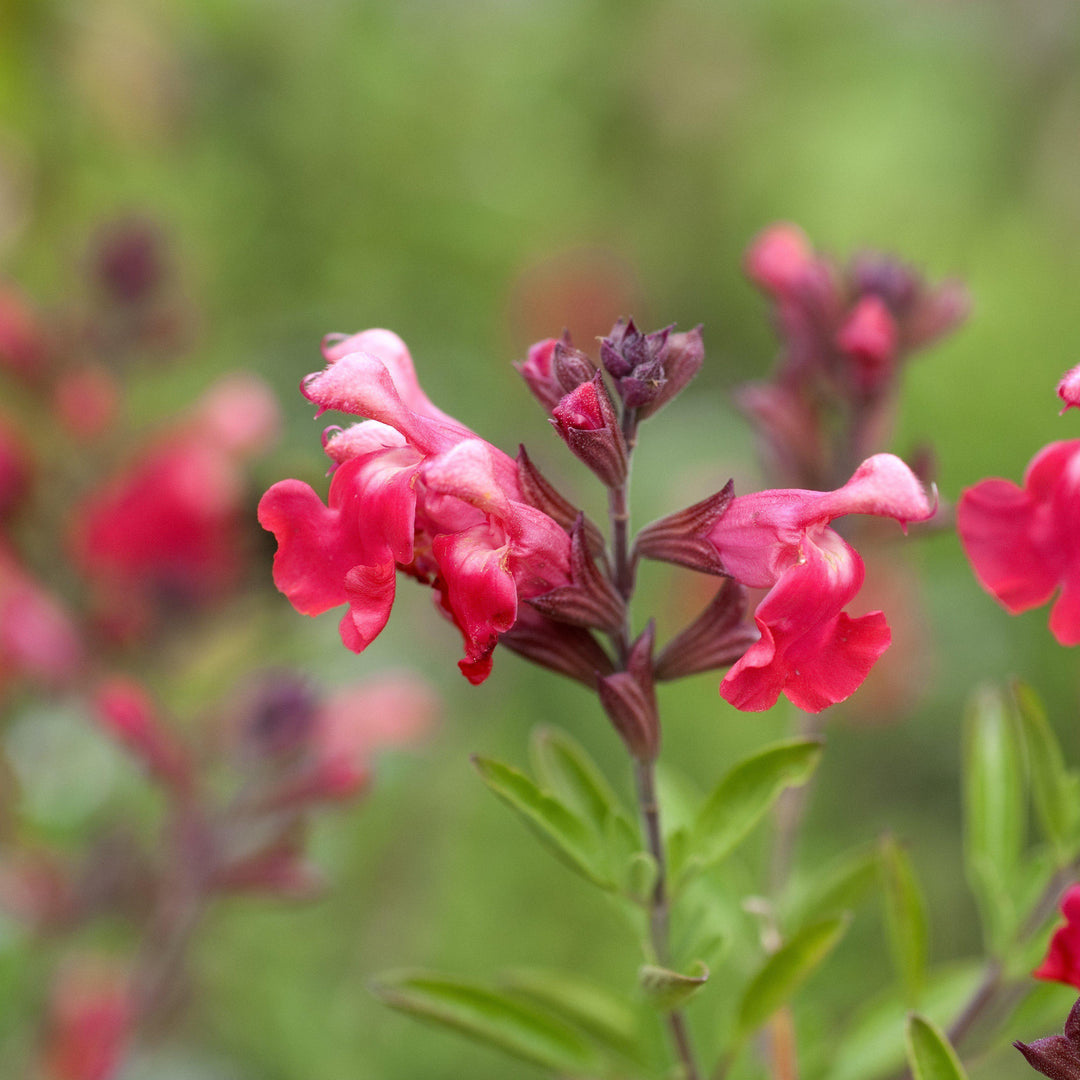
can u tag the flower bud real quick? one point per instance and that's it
(539, 375)
(636, 362)
(571, 366)
(558, 646)
(778, 258)
(715, 639)
(587, 422)
(869, 338)
(590, 600)
(681, 358)
(682, 538)
(629, 699)
(537, 491)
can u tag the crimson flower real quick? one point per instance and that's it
(1024, 542)
(810, 649)
(412, 490)
(1062, 963)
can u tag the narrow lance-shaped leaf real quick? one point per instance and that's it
(929, 1053)
(744, 795)
(564, 768)
(554, 822)
(994, 810)
(489, 1017)
(598, 1012)
(905, 918)
(1053, 789)
(785, 971)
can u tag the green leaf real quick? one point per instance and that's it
(840, 885)
(640, 877)
(591, 1008)
(785, 971)
(744, 795)
(563, 767)
(873, 1046)
(994, 811)
(929, 1053)
(905, 918)
(667, 990)
(490, 1017)
(1053, 788)
(554, 822)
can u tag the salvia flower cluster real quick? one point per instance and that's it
(415, 492)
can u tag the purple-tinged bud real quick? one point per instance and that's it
(128, 261)
(629, 699)
(715, 639)
(682, 358)
(538, 491)
(683, 538)
(278, 715)
(571, 366)
(588, 424)
(590, 599)
(1057, 1056)
(636, 362)
(558, 646)
(539, 374)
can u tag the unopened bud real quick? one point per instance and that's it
(590, 600)
(538, 372)
(629, 699)
(558, 646)
(778, 258)
(280, 870)
(870, 337)
(588, 424)
(715, 639)
(681, 359)
(539, 492)
(571, 366)
(636, 362)
(682, 538)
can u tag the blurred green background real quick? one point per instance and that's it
(476, 175)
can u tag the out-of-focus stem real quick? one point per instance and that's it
(658, 907)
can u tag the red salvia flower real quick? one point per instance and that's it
(810, 649)
(1062, 963)
(1024, 542)
(413, 490)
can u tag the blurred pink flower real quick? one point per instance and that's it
(810, 649)
(1024, 542)
(416, 491)
(167, 531)
(38, 638)
(86, 400)
(1062, 963)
